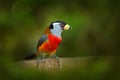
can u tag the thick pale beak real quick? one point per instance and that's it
(67, 27)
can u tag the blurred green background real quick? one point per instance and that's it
(96, 32)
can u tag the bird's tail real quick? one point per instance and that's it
(30, 56)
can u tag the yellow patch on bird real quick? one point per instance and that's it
(66, 27)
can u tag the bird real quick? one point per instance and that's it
(49, 41)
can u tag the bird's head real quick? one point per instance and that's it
(60, 24)
(57, 27)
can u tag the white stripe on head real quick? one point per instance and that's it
(57, 30)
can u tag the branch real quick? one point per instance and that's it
(65, 63)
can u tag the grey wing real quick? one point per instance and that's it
(42, 39)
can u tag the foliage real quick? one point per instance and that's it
(95, 32)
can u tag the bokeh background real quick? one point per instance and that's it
(96, 32)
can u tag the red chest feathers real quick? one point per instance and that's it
(51, 44)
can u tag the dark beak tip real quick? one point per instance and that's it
(70, 28)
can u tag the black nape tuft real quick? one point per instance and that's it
(51, 26)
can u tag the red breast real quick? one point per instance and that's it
(50, 45)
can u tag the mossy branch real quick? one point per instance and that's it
(65, 63)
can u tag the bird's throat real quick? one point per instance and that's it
(56, 31)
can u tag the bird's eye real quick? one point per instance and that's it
(62, 26)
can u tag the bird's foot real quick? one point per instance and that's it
(57, 59)
(37, 62)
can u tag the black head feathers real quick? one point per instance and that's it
(62, 24)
